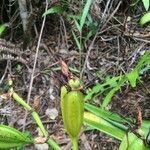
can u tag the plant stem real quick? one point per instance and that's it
(80, 51)
(37, 119)
(75, 143)
(34, 114)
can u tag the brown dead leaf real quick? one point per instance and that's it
(64, 68)
(36, 103)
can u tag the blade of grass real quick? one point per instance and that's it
(77, 25)
(2, 28)
(55, 9)
(146, 4)
(85, 12)
(77, 41)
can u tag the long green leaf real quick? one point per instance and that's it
(103, 125)
(107, 115)
(76, 40)
(145, 19)
(54, 9)
(77, 25)
(2, 28)
(115, 83)
(117, 120)
(85, 12)
(132, 142)
(100, 88)
(146, 4)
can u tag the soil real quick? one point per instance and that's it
(119, 43)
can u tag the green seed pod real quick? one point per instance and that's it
(74, 83)
(72, 106)
(10, 138)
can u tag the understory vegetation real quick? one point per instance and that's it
(75, 74)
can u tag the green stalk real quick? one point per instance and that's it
(80, 51)
(34, 114)
(37, 119)
(74, 143)
(53, 144)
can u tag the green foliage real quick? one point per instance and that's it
(132, 142)
(11, 138)
(117, 127)
(112, 85)
(54, 9)
(103, 125)
(79, 24)
(133, 76)
(145, 19)
(76, 40)
(2, 28)
(85, 13)
(72, 108)
(109, 116)
(81, 20)
(146, 4)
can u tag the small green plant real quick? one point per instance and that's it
(80, 21)
(116, 126)
(10, 138)
(13, 136)
(83, 20)
(114, 84)
(113, 124)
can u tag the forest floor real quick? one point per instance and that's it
(114, 50)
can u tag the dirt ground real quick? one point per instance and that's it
(119, 42)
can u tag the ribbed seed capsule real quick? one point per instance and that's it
(10, 138)
(72, 105)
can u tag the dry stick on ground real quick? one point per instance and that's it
(133, 56)
(141, 40)
(105, 10)
(6, 68)
(87, 55)
(34, 66)
(113, 13)
(85, 142)
(65, 32)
